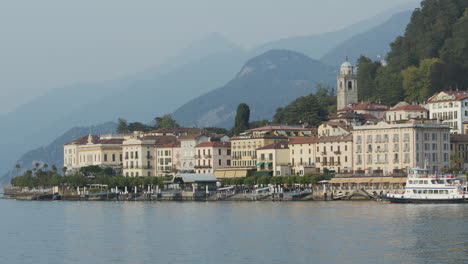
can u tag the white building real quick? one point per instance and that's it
(406, 112)
(451, 108)
(103, 151)
(187, 151)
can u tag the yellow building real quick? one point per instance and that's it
(274, 159)
(333, 128)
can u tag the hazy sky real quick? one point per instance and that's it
(50, 43)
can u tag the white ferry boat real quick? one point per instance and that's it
(422, 187)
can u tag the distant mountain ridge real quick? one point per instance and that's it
(268, 81)
(372, 43)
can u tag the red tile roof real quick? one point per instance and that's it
(214, 144)
(192, 136)
(458, 95)
(409, 108)
(175, 144)
(277, 145)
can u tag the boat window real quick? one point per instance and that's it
(425, 182)
(431, 192)
(436, 191)
(415, 192)
(433, 181)
(419, 191)
(424, 191)
(446, 191)
(421, 182)
(449, 181)
(440, 181)
(410, 182)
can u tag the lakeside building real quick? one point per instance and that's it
(245, 145)
(97, 150)
(390, 148)
(176, 131)
(140, 154)
(167, 158)
(451, 107)
(459, 151)
(211, 156)
(187, 151)
(273, 159)
(318, 155)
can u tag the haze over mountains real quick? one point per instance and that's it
(212, 67)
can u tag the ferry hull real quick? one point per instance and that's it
(425, 201)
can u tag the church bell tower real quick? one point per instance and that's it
(346, 86)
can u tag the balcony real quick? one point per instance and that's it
(149, 156)
(337, 152)
(323, 153)
(208, 156)
(198, 156)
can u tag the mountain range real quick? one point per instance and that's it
(205, 69)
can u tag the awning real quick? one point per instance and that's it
(241, 173)
(260, 164)
(268, 164)
(219, 174)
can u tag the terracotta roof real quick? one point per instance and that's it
(96, 140)
(278, 127)
(369, 106)
(409, 108)
(163, 140)
(459, 138)
(214, 144)
(303, 140)
(277, 145)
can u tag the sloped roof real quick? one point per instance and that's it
(338, 124)
(454, 96)
(214, 144)
(175, 144)
(192, 136)
(409, 108)
(335, 138)
(278, 127)
(459, 138)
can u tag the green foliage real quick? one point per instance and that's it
(260, 123)
(366, 76)
(166, 121)
(122, 126)
(311, 109)
(241, 122)
(276, 180)
(217, 130)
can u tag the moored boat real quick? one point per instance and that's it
(422, 187)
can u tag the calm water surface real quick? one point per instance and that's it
(231, 232)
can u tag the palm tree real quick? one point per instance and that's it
(54, 168)
(64, 170)
(45, 166)
(37, 165)
(18, 166)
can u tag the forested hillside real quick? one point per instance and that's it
(430, 57)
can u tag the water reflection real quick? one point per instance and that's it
(230, 232)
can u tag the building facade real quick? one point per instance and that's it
(405, 113)
(211, 156)
(94, 150)
(392, 148)
(274, 159)
(187, 158)
(450, 107)
(459, 152)
(334, 128)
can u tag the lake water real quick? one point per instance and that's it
(231, 232)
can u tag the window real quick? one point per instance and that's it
(113, 157)
(105, 157)
(219, 162)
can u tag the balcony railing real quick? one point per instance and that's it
(337, 152)
(202, 166)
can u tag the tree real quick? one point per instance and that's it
(45, 166)
(64, 170)
(54, 168)
(303, 110)
(138, 126)
(366, 79)
(241, 122)
(166, 121)
(217, 130)
(122, 126)
(18, 166)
